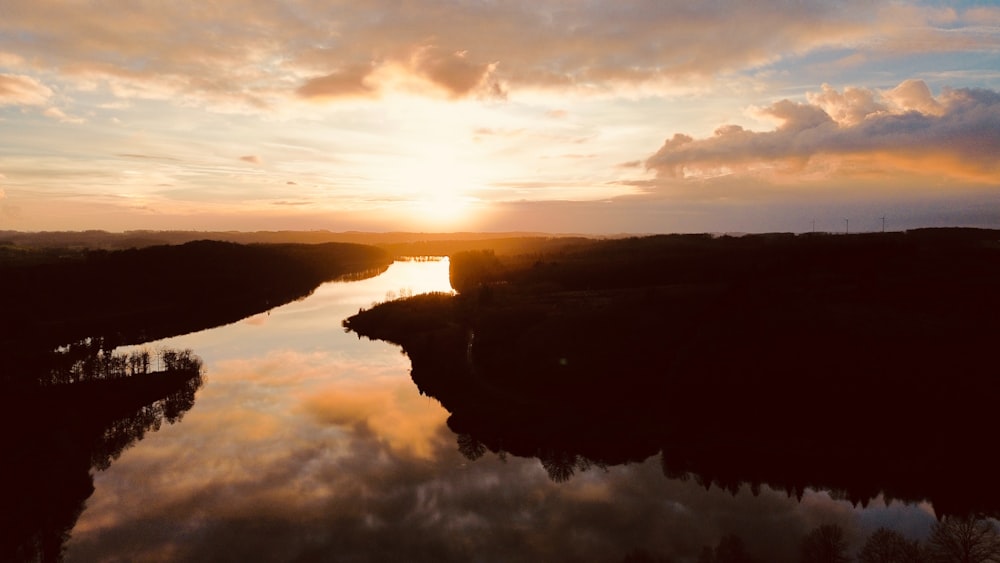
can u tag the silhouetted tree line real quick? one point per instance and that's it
(730, 549)
(474, 268)
(54, 437)
(750, 259)
(98, 364)
(137, 295)
(398, 319)
(397, 243)
(951, 540)
(500, 245)
(773, 359)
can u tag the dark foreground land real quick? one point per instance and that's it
(70, 403)
(860, 363)
(55, 437)
(52, 297)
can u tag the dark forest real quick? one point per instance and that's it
(860, 363)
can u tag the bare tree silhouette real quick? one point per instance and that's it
(964, 540)
(889, 546)
(825, 544)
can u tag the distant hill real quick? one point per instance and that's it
(52, 297)
(96, 239)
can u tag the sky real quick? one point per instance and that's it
(556, 116)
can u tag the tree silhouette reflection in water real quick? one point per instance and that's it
(66, 409)
(327, 483)
(856, 364)
(55, 435)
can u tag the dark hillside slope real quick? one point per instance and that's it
(52, 297)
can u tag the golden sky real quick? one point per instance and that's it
(558, 116)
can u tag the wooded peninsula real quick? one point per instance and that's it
(862, 363)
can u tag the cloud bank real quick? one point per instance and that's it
(855, 133)
(253, 54)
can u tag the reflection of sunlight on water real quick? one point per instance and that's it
(411, 277)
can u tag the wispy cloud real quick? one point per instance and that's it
(18, 89)
(61, 116)
(148, 157)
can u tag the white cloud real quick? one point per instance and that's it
(905, 129)
(913, 95)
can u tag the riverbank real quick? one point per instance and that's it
(56, 297)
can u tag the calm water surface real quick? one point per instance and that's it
(306, 443)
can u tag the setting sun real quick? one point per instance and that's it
(499, 117)
(444, 213)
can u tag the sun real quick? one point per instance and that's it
(433, 171)
(435, 188)
(443, 213)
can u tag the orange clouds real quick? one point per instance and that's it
(60, 115)
(913, 95)
(257, 53)
(424, 68)
(955, 135)
(312, 389)
(350, 82)
(22, 90)
(404, 421)
(455, 72)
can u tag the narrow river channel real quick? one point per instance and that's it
(307, 443)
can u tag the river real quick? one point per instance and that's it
(307, 443)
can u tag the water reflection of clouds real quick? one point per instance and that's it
(370, 501)
(325, 474)
(347, 491)
(394, 414)
(263, 434)
(333, 390)
(308, 449)
(306, 392)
